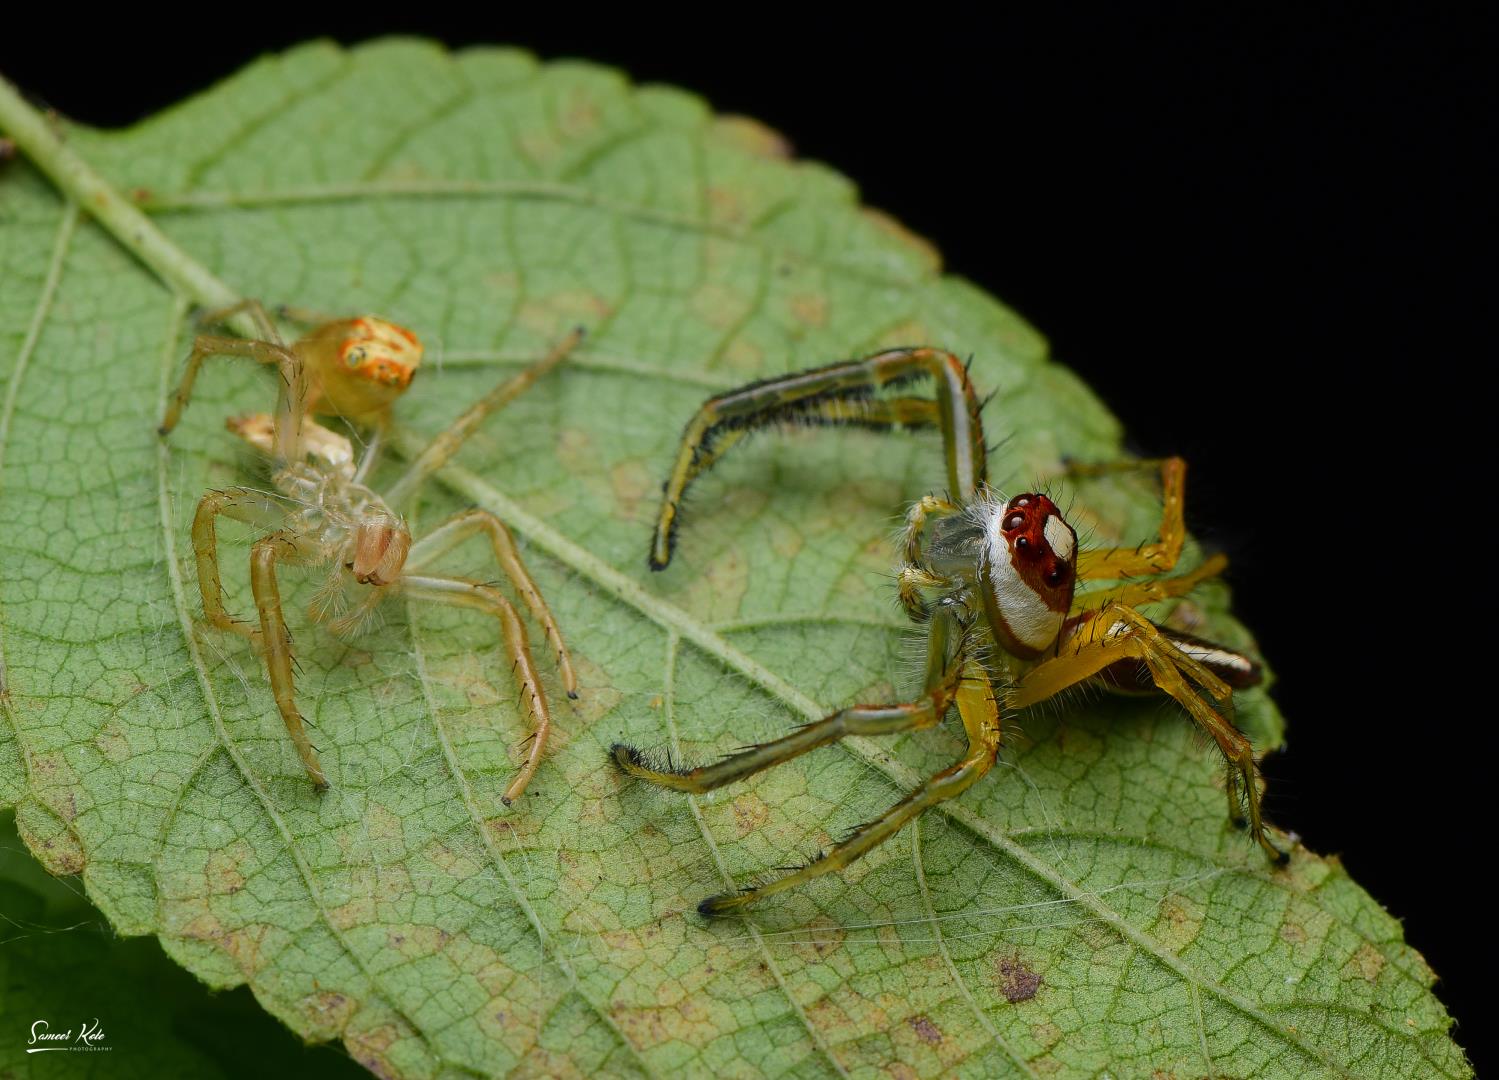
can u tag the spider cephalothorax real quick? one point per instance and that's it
(995, 582)
(1028, 569)
(322, 513)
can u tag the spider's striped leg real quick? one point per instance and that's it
(465, 524)
(275, 640)
(1118, 634)
(942, 681)
(459, 592)
(1156, 557)
(839, 394)
(980, 711)
(441, 449)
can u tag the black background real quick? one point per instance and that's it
(1261, 238)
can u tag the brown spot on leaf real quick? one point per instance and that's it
(1295, 933)
(1179, 922)
(222, 871)
(369, 1049)
(751, 136)
(632, 483)
(326, 1013)
(49, 837)
(819, 938)
(926, 1031)
(1367, 963)
(810, 308)
(1047, 1034)
(750, 813)
(1017, 980)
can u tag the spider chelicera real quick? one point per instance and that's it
(323, 514)
(993, 580)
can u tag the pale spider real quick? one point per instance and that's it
(993, 581)
(323, 514)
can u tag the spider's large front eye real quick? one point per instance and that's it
(1013, 522)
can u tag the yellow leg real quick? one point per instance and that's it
(1150, 590)
(441, 449)
(465, 524)
(472, 594)
(855, 720)
(1158, 557)
(291, 405)
(1119, 633)
(275, 640)
(254, 308)
(242, 505)
(980, 712)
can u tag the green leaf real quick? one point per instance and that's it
(1085, 908)
(59, 962)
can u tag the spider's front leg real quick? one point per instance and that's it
(839, 394)
(1119, 634)
(295, 386)
(1156, 557)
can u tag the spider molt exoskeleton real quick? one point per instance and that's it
(993, 581)
(322, 512)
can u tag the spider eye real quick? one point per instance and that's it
(1056, 575)
(354, 357)
(1022, 542)
(1019, 501)
(1014, 521)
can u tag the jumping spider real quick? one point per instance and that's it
(993, 580)
(323, 514)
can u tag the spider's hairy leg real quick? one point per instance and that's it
(943, 677)
(838, 394)
(275, 640)
(981, 721)
(459, 592)
(1118, 633)
(1150, 590)
(240, 504)
(1157, 557)
(291, 405)
(441, 450)
(466, 523)
(253, 308)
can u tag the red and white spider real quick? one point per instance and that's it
(994, 581)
